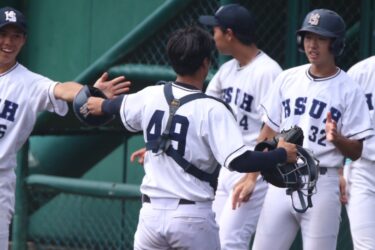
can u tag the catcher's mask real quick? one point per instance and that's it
(300, 176)
(81, 111)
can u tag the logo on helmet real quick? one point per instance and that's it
(314, 19)
(10, 16)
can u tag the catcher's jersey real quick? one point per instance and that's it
(363, 73)
(205, 133)
(244, 88)
(22, 95)
(299, 99)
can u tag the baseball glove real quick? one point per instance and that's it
(293, 135)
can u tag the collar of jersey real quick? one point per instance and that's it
(320, 79)
(252, 60)
(185, 86)
(9, 70)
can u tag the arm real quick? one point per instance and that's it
(242, 189)
(349, 148)
(66, 91)
(99, 106)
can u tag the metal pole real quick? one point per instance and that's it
(20, 227)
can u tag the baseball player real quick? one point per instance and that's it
(23, 94)
(242, 83)
(331, 109)
(187, 134)
(360, 174)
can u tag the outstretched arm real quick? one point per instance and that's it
(112, 88)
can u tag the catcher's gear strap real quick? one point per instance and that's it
(163, 142)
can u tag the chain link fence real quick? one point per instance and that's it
(79, 222)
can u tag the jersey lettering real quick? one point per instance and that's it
(227, 95)
(3, 128)
(369, 101)
(178, 133)
(246, 102)
(9, 110)
(317, 108)
(286, 105)
(300, 105)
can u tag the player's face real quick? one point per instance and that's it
(317, 49)
(221, 41)
(11, 41)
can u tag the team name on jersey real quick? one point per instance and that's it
(316, 111)
(245, 101)
(8, 110)
(369, 101)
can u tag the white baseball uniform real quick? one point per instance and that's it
(243, 88)
(205, 133)
(300, 99)
(360, 174)
(23, 94)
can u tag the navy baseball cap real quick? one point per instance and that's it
(11, 16)
(233, 16)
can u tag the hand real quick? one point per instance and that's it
(94, 105)
(140, 154)
(342, 184)
(331, 128)
(114, 87)
(291, 150)
(243, 190)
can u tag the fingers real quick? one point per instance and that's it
(140, 154)
(236, 197)
(343, 194)
(329, 117)
(104, 76)
(121, 88)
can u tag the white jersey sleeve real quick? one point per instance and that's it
(23, 95)
(363, 73)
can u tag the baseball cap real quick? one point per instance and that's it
(9, 15)
(233, 16)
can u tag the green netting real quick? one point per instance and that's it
(76, 222)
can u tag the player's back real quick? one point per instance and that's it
(203, 132)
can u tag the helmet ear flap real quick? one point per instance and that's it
(337, 46)
(300, 46)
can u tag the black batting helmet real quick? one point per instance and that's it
(326, 23)
(81, 111)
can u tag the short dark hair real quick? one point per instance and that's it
(187, 48)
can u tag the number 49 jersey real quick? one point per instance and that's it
(204, 132)
(300, 99)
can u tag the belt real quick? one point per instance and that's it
(322, 171)
(147, 199)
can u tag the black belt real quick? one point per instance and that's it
(147, 199)
(322, 171)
